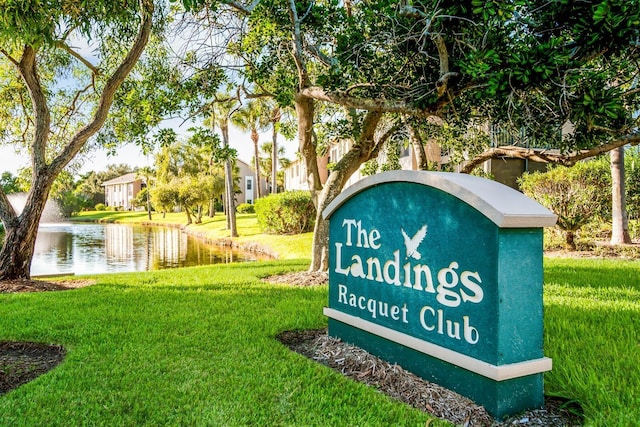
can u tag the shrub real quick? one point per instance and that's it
(632, 172)
(291, 212)
(245, 208)
(575, 194)
(100, 207)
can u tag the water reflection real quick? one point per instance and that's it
(107, 248)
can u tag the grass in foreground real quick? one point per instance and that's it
(592, 332)
(193, 346)
(197, 346)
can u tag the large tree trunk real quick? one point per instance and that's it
(366, 148)
(304, 111)
(620, 220)
(418, 147)
(21, 231)
(320, 242)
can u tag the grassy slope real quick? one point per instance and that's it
(196, 347)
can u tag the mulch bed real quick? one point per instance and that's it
(21, 362)
(402, 385)
(26, 285)
(301, 278)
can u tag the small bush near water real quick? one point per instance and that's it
(291, 212)
(245, 208)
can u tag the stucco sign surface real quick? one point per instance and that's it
(443, 274)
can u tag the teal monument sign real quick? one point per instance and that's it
(442, 274)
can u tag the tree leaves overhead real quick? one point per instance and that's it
(37, 22)
(536, 64)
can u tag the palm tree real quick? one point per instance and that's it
(221, 113)
(620, 219)
(282, 121)
(276, 116)
(267, 163)
(253, 118)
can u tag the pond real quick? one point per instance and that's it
(69, 248)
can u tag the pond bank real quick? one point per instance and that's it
(213, 230)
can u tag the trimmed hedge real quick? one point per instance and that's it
(245, 208)
(291, 212)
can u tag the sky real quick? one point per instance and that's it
(132, 155)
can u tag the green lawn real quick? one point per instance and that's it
(592, 332)
(188, 347)
(196, 346)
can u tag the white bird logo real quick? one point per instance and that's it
(413, 243)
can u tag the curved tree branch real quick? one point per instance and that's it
(369, 104)
(546, 156)
(110, 88)
(62, 45)
(443, 55)
(303, 75)
(27, 68)
(9, 57)
(242, 8)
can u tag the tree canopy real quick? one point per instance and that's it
(530, 68)
(559, 77)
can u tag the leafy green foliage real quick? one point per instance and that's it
(10, 184)
(189, 173)
(632, 184)
(141, 198)
(575, 194)
(369, 168)
(245, 208)
(54, 31)
(291, 212)
(393, 157)
(34, 22)
(523, 65)
(164, 197)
